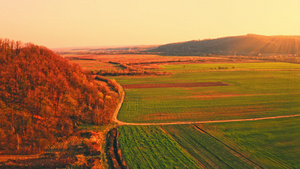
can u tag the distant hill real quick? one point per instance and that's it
(43, 97)
(236, 45)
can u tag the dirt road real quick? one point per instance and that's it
(208, 121)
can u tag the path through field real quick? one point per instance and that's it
(115, 119)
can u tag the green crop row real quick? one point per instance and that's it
(149, 147)
(271, 143)
(206, 149)
(262, 144)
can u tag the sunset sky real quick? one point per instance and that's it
(74, 23)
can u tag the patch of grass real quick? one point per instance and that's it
(271, 143)
(93, 127)
(149, 147)
(206, 149)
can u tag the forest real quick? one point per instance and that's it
(44, 98)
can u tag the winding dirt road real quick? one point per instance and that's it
(118, 122)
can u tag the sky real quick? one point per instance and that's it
(79, 23)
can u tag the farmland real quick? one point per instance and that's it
(210, 152)
(255, 144)
(271, 143)
(149, 147)
(207, 91)
(253, 90)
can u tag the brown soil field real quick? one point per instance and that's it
(139, 58)
(101, 62)
(198, 114)
(131, 58)
(220, 95)
(161, 85)
(224, 95)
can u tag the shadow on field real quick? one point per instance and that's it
(113, 150)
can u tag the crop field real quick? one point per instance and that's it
(108, 62)
(256, 144)
(149, 147)
(210, 152)
(251, 92)
(270, 143)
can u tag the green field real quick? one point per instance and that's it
(210, 152)
(270, 143)
(262, 144)
(251, 93)
(254, 90)
(149, 147)
(202, 72)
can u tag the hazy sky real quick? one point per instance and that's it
(70, 23)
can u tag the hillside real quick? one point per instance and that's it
(43, 97)
(252, 45)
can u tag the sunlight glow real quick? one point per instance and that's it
(55, 23)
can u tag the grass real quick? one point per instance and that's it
(262, 144)
(250, 94)
(206, 149)
(150, 147)
(93, 127)
(270, 143)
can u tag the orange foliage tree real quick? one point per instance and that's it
(43, 97)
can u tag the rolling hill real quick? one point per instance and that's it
(250, 44)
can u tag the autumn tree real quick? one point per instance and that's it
(44, 97)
